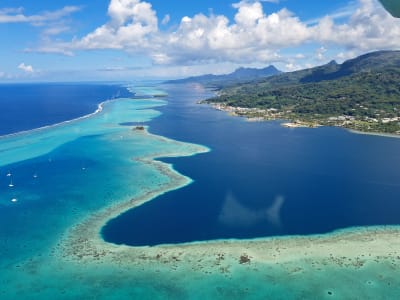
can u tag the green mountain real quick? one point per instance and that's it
(362, 93)
(239, 75)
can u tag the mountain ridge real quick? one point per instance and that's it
(241, 74)
(362, 93)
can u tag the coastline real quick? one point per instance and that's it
(298, 266)
(95, 246)
(292, 124)
(388, 135)
(97, 111)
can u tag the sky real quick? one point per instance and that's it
(78, 40)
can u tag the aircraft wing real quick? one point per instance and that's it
(392, 6)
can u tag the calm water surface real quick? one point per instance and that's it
(261, 179)
(28, 106)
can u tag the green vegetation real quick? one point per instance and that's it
(361, 94)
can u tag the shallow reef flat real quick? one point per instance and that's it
(357, 263)
(64, 173)
(361, 263)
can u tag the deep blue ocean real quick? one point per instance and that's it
(259, 179)
(33, 105)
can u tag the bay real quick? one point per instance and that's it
(261, 179)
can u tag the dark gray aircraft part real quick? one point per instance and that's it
(392, 6)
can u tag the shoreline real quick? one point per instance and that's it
(81, 262)
(84, 242)
(346, 263)
(284, 122)
(89, 230)
(388, 135)
(97, 111)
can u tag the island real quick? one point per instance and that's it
(362, 94)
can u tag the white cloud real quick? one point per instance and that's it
(369, 28)
(166, 20)
(131, 23)
(252, 36)
(25, 68)
(248, 13)
(320, 53)
(343, 12)
(11, 10)
(291, 67)
(15, 15)
(346, 55)
(6, 76)
(52, 48)
(56, 30)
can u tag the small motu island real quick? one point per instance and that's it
(362, 94)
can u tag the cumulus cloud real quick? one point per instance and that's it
(131, 24)
(369, 28)
(25, 68)
(252, 35)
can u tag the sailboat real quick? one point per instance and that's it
(11, 183)
(8, 174)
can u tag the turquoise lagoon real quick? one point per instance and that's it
(71, 178)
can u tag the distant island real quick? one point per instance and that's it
(240, 75)
(362, 94)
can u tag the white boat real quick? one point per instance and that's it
(14, 200)
(11, 183)
(8, 174)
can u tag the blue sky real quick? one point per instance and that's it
(73, 40)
